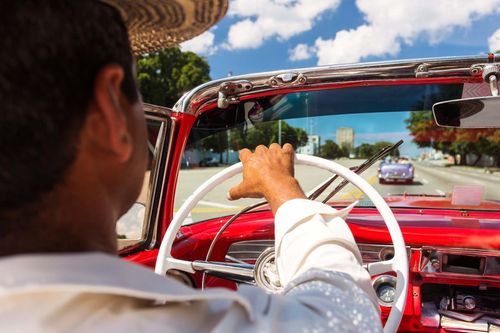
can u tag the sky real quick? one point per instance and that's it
(265, 35)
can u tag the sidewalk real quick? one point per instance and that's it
(482, 170)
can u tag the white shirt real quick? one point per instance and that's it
(326, 288)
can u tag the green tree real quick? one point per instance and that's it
(367, 150)
(166, 75)
(453, 141)
(332, 150)
(266, 133)
(216, 143)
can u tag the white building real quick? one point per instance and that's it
(312, 146)
(345, 137)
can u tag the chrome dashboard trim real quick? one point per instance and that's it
(431, 262)
(251, 250)
(464, 251)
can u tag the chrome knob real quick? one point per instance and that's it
(469, 303)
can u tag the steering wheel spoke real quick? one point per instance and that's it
(380, 267)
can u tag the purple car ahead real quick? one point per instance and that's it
(400, 171)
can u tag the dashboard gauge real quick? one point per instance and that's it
(386, 293)
(385, 288)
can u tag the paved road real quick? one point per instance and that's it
(429, 179)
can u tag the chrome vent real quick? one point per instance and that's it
(250, 251)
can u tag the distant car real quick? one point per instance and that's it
(208, 162)
(401, 171)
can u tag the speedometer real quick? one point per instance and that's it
(385, 288)
(386, 293)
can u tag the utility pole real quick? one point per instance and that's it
(279, 132)
(228, 134)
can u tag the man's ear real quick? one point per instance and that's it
(107, 120)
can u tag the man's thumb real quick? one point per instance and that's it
(235, 192)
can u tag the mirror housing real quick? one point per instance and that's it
(478, 112)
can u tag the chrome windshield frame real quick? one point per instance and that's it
(458, 69)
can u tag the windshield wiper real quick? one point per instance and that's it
(358, 169)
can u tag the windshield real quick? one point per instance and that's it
(434, 167)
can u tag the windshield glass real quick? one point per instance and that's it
(434, 167)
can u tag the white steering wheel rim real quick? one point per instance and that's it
(398, 264)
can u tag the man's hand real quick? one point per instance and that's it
(268, 173)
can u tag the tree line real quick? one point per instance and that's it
(454, 141)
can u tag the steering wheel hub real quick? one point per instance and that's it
(266, 272)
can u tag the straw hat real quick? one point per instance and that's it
(157, 24)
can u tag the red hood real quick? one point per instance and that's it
(428, 202)
(412, 201)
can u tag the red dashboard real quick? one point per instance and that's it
(453, 256)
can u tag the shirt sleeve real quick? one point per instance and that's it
(311, 235)
(326, 288)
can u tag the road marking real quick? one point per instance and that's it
(425, 181)
(356, 193)
(215, 204)
(440, 192)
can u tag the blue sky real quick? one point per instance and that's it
(264, 35)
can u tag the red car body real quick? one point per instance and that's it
(474, 231)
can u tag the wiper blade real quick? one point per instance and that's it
(358, 169)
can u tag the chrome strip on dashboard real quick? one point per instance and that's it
(235, 272)
(250, 250)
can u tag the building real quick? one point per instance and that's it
(345, 137)
(312, 146)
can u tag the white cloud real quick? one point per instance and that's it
(494, 41)
(202, 44)
(391, 23)
(300, 52)
(264, 19)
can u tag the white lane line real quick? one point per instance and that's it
(425, 181)
(440, 192)
(215, 204)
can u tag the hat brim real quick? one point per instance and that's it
(156, 24)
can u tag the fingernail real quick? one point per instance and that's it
(228, 196)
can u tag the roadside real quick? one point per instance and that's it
(494, 171)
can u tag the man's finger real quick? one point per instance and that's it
(244, 154)
(235, 192)
(288, 148)
(261, 149)
(275, 147)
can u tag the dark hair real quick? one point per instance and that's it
(51, 51)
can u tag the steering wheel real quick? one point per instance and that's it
(245, 273)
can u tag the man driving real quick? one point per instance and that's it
(72, 159)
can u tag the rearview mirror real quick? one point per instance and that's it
(478, 112)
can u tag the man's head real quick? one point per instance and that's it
(69, 108)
